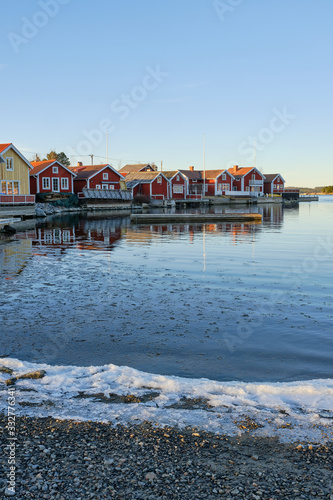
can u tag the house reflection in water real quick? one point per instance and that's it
(14, 257)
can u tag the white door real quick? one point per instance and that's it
(55, 185)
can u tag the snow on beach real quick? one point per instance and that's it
(294, 411)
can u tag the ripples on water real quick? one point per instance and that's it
(223, 301)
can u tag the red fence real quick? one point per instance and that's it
(17, 199)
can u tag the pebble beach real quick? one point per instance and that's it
(64, 460)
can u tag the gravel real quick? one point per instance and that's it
(61, 459)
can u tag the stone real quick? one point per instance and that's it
(151, 476)
(39, 212)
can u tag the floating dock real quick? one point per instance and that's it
(167, 218)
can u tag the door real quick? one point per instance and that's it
(55, 185)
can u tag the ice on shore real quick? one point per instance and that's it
(120, 394)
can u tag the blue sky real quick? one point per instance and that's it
(159, 75)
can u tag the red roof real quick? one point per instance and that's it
(240, 171)
(39, 166)
(4, 146)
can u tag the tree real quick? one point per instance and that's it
(60, 157)
(63, 159)
(36, 157)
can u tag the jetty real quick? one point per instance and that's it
(167, 218)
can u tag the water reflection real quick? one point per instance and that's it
(14, 256)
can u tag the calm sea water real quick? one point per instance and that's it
(246, 302)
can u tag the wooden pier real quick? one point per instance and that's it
(167, 218)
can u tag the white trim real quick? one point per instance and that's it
(11, 146)
(51, 165)
(49, 182)
(107, 166)
(67, 183)
(11, 162)
(55, 169)
(53, 189)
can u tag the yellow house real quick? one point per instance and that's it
(14, 175)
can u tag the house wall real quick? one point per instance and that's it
(20, 172)
(79, 184)
(228, 181)
(269, 189)
(47, 173)
(159, 190)
(248, 178)
(113, 179)
(180, 182)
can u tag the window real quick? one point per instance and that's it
(159, 180)
(253, 177)
(111, 186)
(98, 186)
(177, 178)
(206, 188)
(178, 189)
(55, 170)
(105, 176)
(10, 187)
(16, 187)
(274, 186)
(225, 187)
(55, 184)
(247, 188)
(224, 177)
(46, 182)
(64, 183)
(105, 186)
(3, 187)
(10, 163)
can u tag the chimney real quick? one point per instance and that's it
(79, 164)
(235, 167)
(191, 168)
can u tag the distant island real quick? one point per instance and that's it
(315, 190)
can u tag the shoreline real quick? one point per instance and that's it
(64, 460)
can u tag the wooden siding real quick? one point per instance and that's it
(20, 172)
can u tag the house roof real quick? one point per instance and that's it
(40, 166)
(241, 171)
(192, 174)
(136, 167)
(170, 174)
(272, 177)
(87, 171)
(142, 176)
(3, 147)
(212, 174)
(9, 145)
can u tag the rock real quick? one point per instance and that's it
(7, 229)
(11, 381)
(9, 492)
(151, 476)
(39, 212)
(5, 369)
(33, 375)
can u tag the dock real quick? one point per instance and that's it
(167, 218)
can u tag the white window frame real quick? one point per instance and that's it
(178, 188)
(18, 187)
(224, 177)
(253, 177)
(64, 183)
(225, 187)
(247, 188)
(10, 163)
(105, 176)
(48, 183)
(55, 170)
(177, 178)
(159, 180)
(98, 186)
(111, 186)
(105, 186)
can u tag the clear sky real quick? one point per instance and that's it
(159, 75)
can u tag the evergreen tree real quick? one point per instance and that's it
(63, 159)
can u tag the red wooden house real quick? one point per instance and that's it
(194, 182)
(138, 167)
(274, 184)
(178, 185)
(247, 180)
(96, 177)
(154, 185)
(51, 177)
(217, 182)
